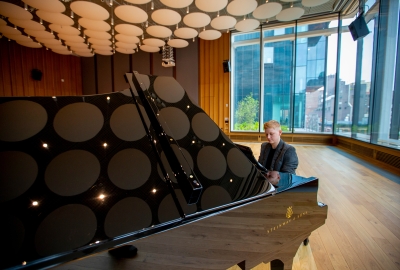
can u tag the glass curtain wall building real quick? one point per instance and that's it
(313, 77)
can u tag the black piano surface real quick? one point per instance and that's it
(146, 166)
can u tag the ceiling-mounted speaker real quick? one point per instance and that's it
(226, 66)
(358, 28)
(36, 74)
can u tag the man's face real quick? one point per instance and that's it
(273, 135)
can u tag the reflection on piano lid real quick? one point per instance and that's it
(82, 174)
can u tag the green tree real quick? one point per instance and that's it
(247, 114)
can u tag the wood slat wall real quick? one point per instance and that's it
(17, 61)
(213, 82)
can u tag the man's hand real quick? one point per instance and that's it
(273, 177)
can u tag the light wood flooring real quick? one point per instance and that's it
(362, 230)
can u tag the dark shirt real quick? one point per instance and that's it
(284, 160)
(269, 159)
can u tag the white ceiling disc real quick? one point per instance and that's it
(40, 34)
(197, 19)
(241, 7)
(210, 34)
(177, 3)
(129, 29)
(13, 11)
(159, 31)
(3, 22)
(18, 37)
(211, 5)
(100, 41)
(154, 42)
(71, 38)
(58, 47)
(288, 1)
(97, 34)
(166, 16)
(66, 52)
(138, 2)
(150, 49)
(76, 44)
(223, 22)
(5, 29)
(131, 14)
(28, 24)
(48, 5)
(101, 47)
(84, 54)
(247, 25)
(178, 43)
(79, 49)
(65, 29)
(125, 51)
(56, 18)
(290, 14)
(90, 10)
(123, 45)
(267, 10)
(95, 25)
(103, 52)
(185, 33)
(313, 3)
(30, 44)
(48, 40)
(127, 39)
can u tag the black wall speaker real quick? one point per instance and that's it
(36, 74)
(226, 66)
(358, 28)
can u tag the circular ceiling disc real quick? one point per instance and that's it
(84, 54)
(3, 22)
(101, 47)
(89, 10)
(138, 2)
(131, 14)
(75, 49)
(211, 5)
(56, 18)
(125, 51)
(95, 25)
(185, 33)
(178, 43)
(30, 44)
(97, 34)
(49, 41)
(18, 37)
(48, 5)
(39, 34)
(65, 29)
(210, 34)
(150, 49)
(129, 30)
(247, 25)
(127, 39)
(27, 24)
(197, 19)
(58, 47)
(77, 44)
(5, 29)
(313, 3)
(127, 46)
(13, 11)
(241, 7)
(166, 17)
(290, 14)
(71, 38)
(103, 52)
(159, 31)
(223, 22)
(267, 10)
(155, 42)
(100, 41)
(66, 52)
(177, 3)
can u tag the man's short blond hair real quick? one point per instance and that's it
(272, 124)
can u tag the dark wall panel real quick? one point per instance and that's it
(187, 69)
(141, 62)
(121, 66)
(104, 74)
(158, 69)
(88, 75)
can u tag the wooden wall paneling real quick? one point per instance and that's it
(88, 75)
(141, 62)
(220, 83)
(227, 83)
(15, 64)
(207, 78)
(104, 74)
(121, 66)
(201, 73)
(32, 57)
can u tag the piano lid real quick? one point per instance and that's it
(80, 174)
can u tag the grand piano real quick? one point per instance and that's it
(140, 179)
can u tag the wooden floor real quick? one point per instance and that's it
(362, 230)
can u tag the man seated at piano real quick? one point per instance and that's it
(276, 155)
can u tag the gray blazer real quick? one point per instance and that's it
(284, 160)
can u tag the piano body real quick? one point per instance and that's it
(146, 167)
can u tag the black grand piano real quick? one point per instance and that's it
(142, 170)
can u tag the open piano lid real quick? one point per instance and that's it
(82, 174)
